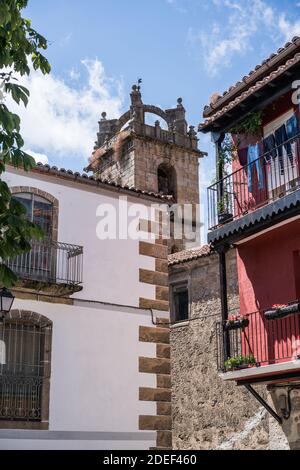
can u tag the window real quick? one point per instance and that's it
(39, 210)
(281, 173)
(166, 180)
(180, 302)
(40, 262)
(25, 345)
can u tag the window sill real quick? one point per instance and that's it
(11, 424)
(180, 324)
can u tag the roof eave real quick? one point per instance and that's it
(251, 78)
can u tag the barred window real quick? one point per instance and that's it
(25, 350)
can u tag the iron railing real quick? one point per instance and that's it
(266, 179)
(268, 341)
(24, 369)
(50, 262)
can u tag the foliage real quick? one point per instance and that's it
(250, 125)
(239, 361)
(19, 45)
(226, 153)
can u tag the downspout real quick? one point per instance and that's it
(222, 249)
(224, 299)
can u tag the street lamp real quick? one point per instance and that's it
(6, 301)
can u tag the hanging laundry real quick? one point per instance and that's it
(270, 148)
(281, 141)
(254, 161)
(292, 127)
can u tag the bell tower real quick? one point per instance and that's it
(155, 158)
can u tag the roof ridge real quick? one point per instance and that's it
(85, 178)
(259, 84)
(189, 255)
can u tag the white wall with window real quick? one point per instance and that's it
(94, 379)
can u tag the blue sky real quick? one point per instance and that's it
(98, 49)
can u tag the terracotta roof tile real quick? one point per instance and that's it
(189, 255)
(86, 179)
(253, 76)
(258, 85)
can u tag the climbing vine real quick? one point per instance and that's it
(250, 126)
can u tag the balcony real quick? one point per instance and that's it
(255, 185)
(50, 267)
(259, 345)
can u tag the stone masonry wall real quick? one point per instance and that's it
(208, 413)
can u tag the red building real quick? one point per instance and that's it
(255, 207)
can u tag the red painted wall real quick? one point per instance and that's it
(266, 268)
(269, 273)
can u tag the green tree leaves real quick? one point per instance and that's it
(19, 45)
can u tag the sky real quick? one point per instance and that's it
(180, 48)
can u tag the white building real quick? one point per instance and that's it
(81, 364)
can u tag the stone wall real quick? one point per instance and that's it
(207, 412)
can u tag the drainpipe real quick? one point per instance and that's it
(217, 138)
(224, 300)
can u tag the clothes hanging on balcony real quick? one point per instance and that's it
(292, 127)
(243, 156)
(281, 141)
(254, 161)
(269, 148)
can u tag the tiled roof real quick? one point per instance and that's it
(269, 69)
(189, 255)
(83, 178)
(260, 84)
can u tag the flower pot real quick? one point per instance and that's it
(282, 312)
(233, 368)
(237, 324)
(224, 218)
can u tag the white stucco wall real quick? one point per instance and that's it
(95, 381)
(94, 378)
(110, 267)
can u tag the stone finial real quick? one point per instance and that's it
(179, 102)
(137, 104)
(192, 132)
(157, 123)
(103, 116)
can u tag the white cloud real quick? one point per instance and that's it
(39, 157)
(74, 74)
(61, 120)
(243, 23)
(288, 28)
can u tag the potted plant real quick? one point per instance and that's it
(282, 311)
(236, 322)
(239, 362)
(224, 214)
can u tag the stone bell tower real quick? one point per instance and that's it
(148, 157)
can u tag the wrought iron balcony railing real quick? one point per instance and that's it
(273, 175)
(50, 262)
(259, 340)
(24, 369)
